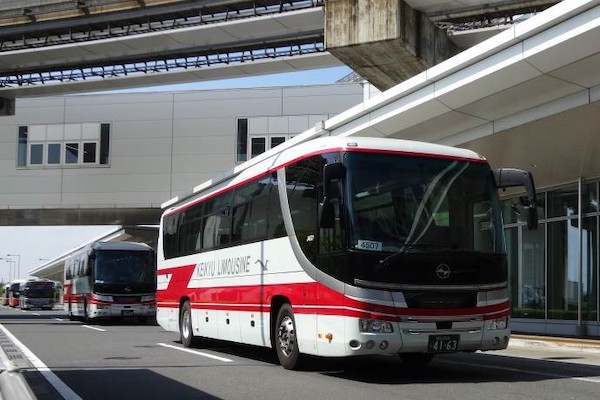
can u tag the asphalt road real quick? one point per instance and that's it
(130, 361)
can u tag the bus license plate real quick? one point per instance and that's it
(443, 343)
(126, 313)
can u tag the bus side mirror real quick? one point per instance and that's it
(509, 177)
(332, 174)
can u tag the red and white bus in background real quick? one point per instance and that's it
(6, 294)
(111, 280)
(342, 247)
(37, 293)
(15, 292)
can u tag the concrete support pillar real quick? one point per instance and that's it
(385, 41)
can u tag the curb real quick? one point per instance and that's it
(12, 382)
(557, 343)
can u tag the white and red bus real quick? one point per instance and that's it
(37, 293)
(6, 294)
(111, 280)
(342, 247)
(15, 292)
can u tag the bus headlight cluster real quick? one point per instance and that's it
(101, 297)
(375, 326)
(497, 324)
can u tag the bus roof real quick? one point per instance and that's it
(131, 246)
(274, 160)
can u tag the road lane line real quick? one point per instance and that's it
(58, 319)
(66, 392)
(528, 371)
(94, 328)
(198, 353)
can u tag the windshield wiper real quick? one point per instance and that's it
(405, 248)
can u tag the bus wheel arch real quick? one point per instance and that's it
(285, 339)
(186, 332)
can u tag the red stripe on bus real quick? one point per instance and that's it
(306, 298)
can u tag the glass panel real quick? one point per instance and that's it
(250, 209)
(258, 146)
(242, 139)
(89, 152)
(513, 212)
(509, 214)
(589, 201)
(563, 202)
(563, 271)
(533, 287)
(36, 154)
(514, 277)
(54, 153)
(22, 149)
(277, 140)
(104, 143)
(589, 259)
(72, 153)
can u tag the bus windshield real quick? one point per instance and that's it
(128, 272)
(407, 204)
(39, 290)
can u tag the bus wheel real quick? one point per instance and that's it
(71, 316)
(185, 325)
(86, 315)
(416, 359)
(286, 343)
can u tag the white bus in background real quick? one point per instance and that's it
(111, 280)
(37, 293)
(343, 247)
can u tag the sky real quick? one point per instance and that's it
(31, 247)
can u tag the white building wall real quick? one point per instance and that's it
(161, 144)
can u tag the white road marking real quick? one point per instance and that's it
(94, 328)
(66, 392)
(198, 353)
(527, 371)
(58, 319)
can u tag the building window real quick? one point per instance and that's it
(89, 153)
(36, 154)
(53, 155)
(71, 153)
(22, 147)
(61, 145)
(242, 140)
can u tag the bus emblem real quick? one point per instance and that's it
(442, 271)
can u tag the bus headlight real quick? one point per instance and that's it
(497, 324)
(151, 297)
(375, 326)
(101, 297)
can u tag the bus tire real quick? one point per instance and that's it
(416, 359)
(286, 343)
(71, 316)
(86, 314)
(186, 333)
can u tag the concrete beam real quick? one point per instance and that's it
(384, 41)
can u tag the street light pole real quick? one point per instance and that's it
(18, 274)
(10, 263)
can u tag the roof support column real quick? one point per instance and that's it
(384, 41)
